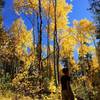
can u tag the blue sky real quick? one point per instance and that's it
(79, 11)
(8, 13)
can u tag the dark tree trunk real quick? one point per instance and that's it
(56, 61)
(48, 43)
(40, 46)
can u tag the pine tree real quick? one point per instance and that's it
(95, 8)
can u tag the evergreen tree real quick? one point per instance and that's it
(95, 8)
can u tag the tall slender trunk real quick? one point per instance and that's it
(58, 76)
(40, 44)
(48, 42)
(34, 43)
(55, 44)
(40, 36)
